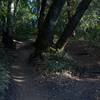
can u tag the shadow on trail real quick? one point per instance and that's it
(29, 84)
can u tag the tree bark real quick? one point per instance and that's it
(71, 10)
(44, 38)
(16, 3)
(0, 18)
(73, 22)
(42, 14)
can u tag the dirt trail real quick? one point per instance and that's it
(28, 84)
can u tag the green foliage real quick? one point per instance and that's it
(22, 19)
(63, 18)
(3, 74)
(25, 20)
(59, 62)
(62, 21)
(24, 29)
(3, 9)
(89, 27)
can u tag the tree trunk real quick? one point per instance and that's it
(7, 34)
(71, 10)
(0, 18)
(42, 14)
(73, 22)
(16, 6)
(16, 2)
(45, 37)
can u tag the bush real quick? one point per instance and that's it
(59, 62)
(24, 31)
(3, 74)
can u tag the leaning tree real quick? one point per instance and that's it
(47, 25)
(45, 34)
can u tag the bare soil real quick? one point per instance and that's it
(86, 56)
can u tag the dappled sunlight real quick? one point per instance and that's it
(51, 50)
(19, 80)
(19, 77)
(98, 63)
(20, 42)
(15, 67)
(68, 74)
(18, 74)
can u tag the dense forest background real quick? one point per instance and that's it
(45, 27)
(23, 19)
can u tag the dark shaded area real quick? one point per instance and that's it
(86, 57)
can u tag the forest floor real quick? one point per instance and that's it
(29, 83)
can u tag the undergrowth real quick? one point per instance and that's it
(4, 77)
(59, 62)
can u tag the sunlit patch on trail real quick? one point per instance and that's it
(19, 80)
(16, 67)
(68, 75)
(98, 62)
(17, 41)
